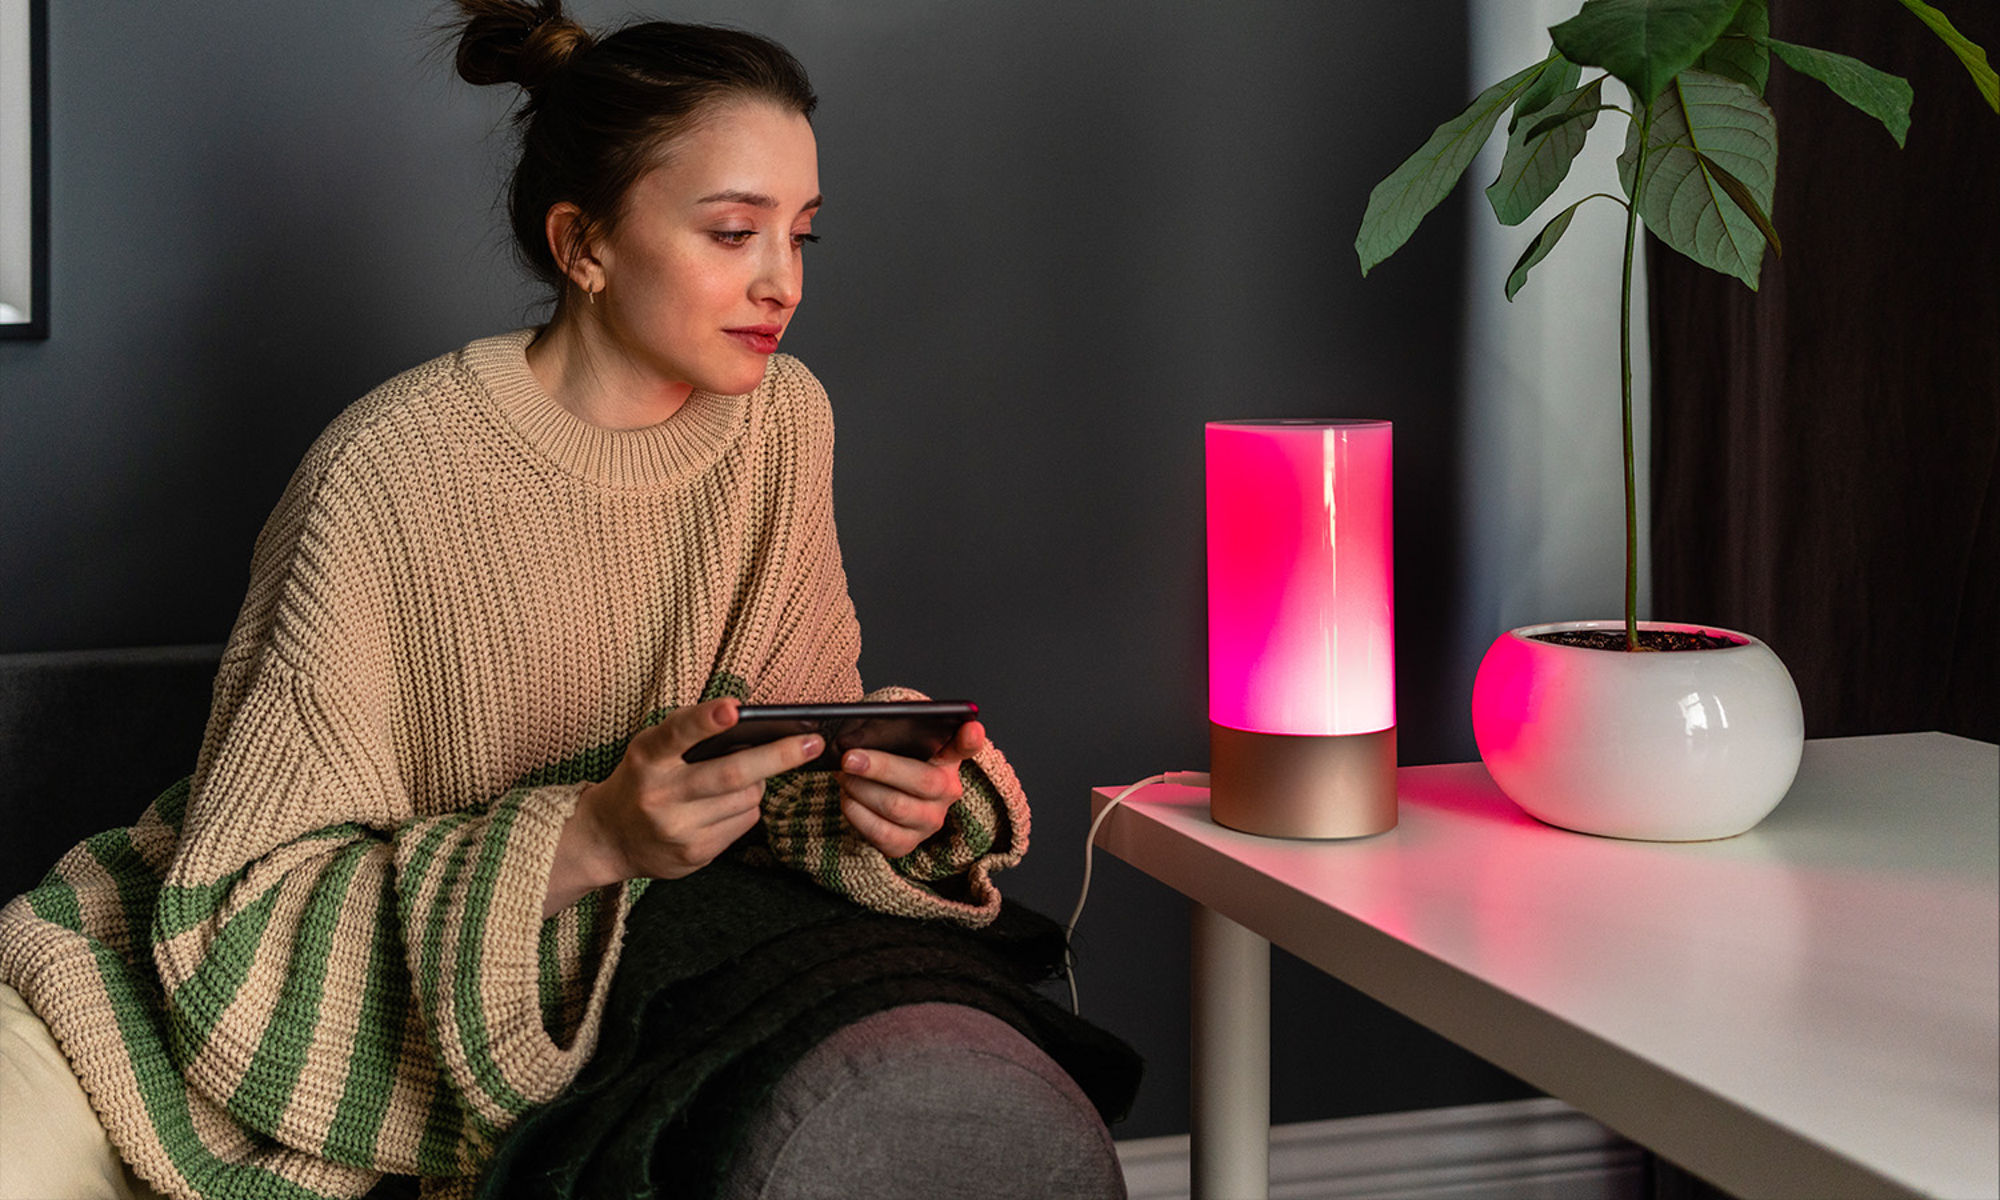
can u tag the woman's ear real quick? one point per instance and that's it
(571, 245)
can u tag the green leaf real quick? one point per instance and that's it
(1548, 124)
(1740, 52)
(1540, 154)
(1559, 78)
(1539, 248)
(1739, 192)
(1703, 119)
(1645, 43)
(1968, 51)
(1399, 203)
(1881, 95)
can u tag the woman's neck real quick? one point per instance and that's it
(582, 369)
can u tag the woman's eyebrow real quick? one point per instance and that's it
(754, 200)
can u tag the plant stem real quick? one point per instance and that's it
(1625, 363)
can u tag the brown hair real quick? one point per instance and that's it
(601, 111)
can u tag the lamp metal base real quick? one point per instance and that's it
(1339, 785)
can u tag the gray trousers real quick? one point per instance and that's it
(927, 1102)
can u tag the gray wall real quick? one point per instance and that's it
(1059, 236)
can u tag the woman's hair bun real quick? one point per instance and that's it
(509, 41)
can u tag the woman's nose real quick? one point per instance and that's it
(782, 277)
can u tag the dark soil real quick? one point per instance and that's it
(1649, 639)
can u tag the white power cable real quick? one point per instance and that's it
(1182, 778)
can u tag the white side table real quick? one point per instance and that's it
(1809, 1010)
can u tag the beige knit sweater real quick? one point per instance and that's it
(322, 957)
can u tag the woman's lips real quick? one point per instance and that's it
(761, 338)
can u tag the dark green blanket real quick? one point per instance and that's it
(731, 974)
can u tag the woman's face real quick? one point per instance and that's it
(705, 266)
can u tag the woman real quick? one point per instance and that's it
(501, 595)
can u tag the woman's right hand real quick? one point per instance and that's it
(660, 817)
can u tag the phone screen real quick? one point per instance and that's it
(913, 728)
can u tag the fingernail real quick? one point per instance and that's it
(856, 761)
(812, 746)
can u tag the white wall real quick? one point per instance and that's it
(1544, 498)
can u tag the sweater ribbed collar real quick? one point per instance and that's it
(677, 448)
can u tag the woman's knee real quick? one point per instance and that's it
(922, 1101)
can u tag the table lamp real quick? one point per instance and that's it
(1301, 627)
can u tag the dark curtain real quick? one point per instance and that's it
(1825, 448)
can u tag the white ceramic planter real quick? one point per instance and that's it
(1674, 746)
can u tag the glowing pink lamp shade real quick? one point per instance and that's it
(1301, 626)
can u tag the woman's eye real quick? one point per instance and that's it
(800, 239)
(733, 237)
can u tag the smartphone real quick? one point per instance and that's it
(912, 728)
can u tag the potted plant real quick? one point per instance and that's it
(1582, 723)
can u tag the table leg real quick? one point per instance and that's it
(1230, 1110)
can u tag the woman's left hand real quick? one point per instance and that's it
(897, 802)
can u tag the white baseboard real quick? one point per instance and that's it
(1537, 1149)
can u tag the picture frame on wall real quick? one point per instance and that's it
(24, 169)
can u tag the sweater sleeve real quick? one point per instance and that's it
(367, 983)
(948, 877)
(372, 994)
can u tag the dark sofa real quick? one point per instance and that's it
(87, 739)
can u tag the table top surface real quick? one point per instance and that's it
(1810, 1006)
